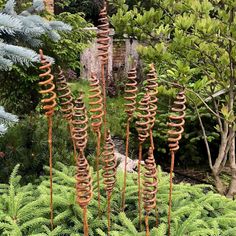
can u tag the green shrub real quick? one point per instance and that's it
(24, 210)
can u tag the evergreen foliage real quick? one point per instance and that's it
(25, 29)
(24, 210)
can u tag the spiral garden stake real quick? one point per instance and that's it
(96, 110)
(131, 94)
(142, 126)
(66, 101)
(109, 173)
(103, 42)
(49, 104)
(150, 187)
(84, 188)
(152, 86)
(176, 124)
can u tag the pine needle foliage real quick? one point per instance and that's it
(197, 210)
(19, 31)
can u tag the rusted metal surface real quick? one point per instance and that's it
(84, 189)
(176, 124)
(103, 42)
(152, 86)
(97, 112)
(131, 90)
(143, 128)
(66, 102)
(49, 104)
(150, 187)
(109, 172)
(80, 124)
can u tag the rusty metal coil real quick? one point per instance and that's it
(49, 102)
(80, 124)
(65, 96)
(84, 189)
(143, 122)
(109, 164)
(131, 92)
(103, 34)
(152, 86)
(177, 122)
(96, 104)
(150, 183)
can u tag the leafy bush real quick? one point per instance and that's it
(24, 210)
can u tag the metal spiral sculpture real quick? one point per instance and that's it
(150, 187)
(103, 42)
(96, 110)
(130, 97)
(83, 178)
(109, 172)
(143, 128)
(66, 102)
(80, 124)
(152, 86)
(176, 125)
(49, 104)
(84, 188)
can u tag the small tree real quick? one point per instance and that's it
(194, 43)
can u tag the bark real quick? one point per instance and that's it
(49, 4)
(232, 188)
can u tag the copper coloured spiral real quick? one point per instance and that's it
(143, 119)
(177, 122)
(97, 112)
(66, 102)
(143, 128)
(84, 189)
(49, 104)
(96, 104)
(109, 171)
(131, 92)
(152, 86)
(176, 125)
(150, 187)
(80, 124)
(103, 42)
(103, 34)
(130, 98)
(65, 96)
(48, 91)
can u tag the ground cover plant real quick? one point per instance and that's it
(24, 208)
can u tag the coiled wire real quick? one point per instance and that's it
(97, 112)
(65, 96)
(152, 86)
(96, 104)
(109, 172)
(48, 91)
(66, 102)
(150, 187)
(130, 98)
(103, 34)
(49, 104)
(84, 190)
(143, 128)
(177, 121)
(103, 46)
(80, 124)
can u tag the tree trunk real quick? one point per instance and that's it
(49, 4)
(232, 188)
